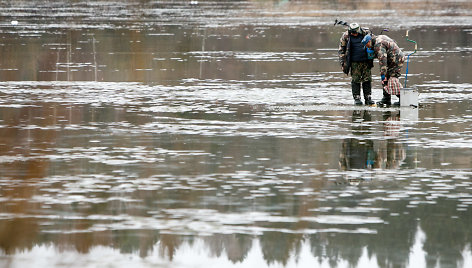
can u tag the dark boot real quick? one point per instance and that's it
(386, 100)
(397, 104)
(367, 90)
(356, 93)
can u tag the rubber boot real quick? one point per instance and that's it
(367, 90)
(356, 93)
(397, 104)
(386, 99)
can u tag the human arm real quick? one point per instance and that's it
(382, 56)
(343, 52)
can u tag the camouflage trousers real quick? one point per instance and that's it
(394, 69)
(360, 72)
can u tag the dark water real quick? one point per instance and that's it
(220, 134)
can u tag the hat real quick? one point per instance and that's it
(366, 40)
(354, 28)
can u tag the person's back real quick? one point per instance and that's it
(387, 45)
(391, 60)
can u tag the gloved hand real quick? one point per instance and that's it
(345, 69)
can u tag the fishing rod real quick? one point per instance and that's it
(340, 22)
(344, 23)
(408, 58)
(384, 30)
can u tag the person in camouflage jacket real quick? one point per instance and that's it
(353, 58)
(391, 59)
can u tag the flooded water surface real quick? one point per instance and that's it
(222, 134)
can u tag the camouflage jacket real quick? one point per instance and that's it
(388, 52)
(344, 49)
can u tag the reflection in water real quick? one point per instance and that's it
(356, 153)
(360, 152)
(217, 133)
(200, 253)
(225, 251)
(391, 152)
(74, 181)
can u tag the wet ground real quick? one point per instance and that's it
(221, 134)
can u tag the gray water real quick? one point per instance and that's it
(222, 133)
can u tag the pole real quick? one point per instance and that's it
(408, 58)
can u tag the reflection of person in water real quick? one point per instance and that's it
(358, 153)
(390, 153)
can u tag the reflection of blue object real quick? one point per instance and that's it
(370, 164)
(370, 159)
(370, 53)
